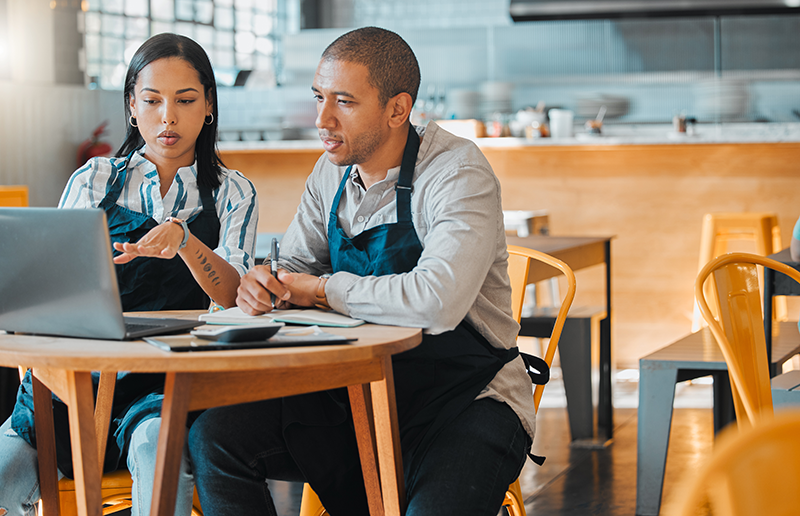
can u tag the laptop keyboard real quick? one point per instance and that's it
(137, 327)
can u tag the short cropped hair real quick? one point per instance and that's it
(391, 63)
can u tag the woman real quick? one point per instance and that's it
(183, 230)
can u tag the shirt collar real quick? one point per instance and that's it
(187, 174)
(392, 176)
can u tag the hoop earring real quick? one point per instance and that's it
(132, 121)
(209, 122)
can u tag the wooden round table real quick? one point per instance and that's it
(200, 380)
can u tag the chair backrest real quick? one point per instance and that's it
(519, 263)
(14, 196)
(719, 230)
(751, 471)
(739, 330)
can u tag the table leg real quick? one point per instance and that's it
(171, 437)
(46, 447)
(387, 436)
(102, 412)
(85, 460)
(361, 406)
(724, 411)
(656, 396)
(605, 409)
(577, 376)
(769, 292)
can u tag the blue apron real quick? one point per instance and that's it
(144, 284)
(434, 382)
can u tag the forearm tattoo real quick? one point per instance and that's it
(208, 269)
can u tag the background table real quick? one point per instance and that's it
(777, 284)
(579, 253)
(206, 379)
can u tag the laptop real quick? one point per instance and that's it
(58, 278)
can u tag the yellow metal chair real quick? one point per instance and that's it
(14, 196)
(720, 230)
(739, 328)
(752, 471)
(519, 263)
(115, 487)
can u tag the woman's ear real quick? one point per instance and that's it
(132, 105)
(399, 108)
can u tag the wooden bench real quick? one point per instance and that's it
(786, 390)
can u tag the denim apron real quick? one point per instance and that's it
(435, 381)
(144, 284)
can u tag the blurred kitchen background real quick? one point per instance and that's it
(62, 63)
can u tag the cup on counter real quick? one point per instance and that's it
(561, 123)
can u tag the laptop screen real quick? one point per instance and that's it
(58, 276)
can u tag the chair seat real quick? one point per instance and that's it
(786, 389)
(114, 480)
(540, 323)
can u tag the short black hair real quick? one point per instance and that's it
(173, 45)
(391, 63)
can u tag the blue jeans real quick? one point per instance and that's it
(466, 471)
(19, 472)
(142, 465)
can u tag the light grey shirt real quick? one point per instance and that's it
(462, 272)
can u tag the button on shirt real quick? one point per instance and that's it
(235, 200)
(462, 272)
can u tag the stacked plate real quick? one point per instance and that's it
(463, 104)
(589, 105)
(721, 99)
(496, 97)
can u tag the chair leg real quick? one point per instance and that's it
(513, 501)
(310, 504)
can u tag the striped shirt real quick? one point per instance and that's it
(235, 200)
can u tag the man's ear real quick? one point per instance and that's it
(399, 108)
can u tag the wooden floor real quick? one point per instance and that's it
(585, 482)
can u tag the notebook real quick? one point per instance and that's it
(308, 316)
(58, 278)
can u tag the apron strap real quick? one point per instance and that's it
(118, 176)
(403, 188)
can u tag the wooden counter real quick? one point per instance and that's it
(651, 197)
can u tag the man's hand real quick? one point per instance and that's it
(161, 242)
(291, 289)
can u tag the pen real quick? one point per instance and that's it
(273, 264)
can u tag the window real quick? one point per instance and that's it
(237, 34)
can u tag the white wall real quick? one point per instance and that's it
(30, 35)
(42, 123)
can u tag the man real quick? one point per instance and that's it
(403, 226)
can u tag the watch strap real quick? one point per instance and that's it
(181, 223)
(320, 299)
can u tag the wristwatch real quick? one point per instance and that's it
(182, 224)
(320, 299)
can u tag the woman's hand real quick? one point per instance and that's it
(160, 242)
